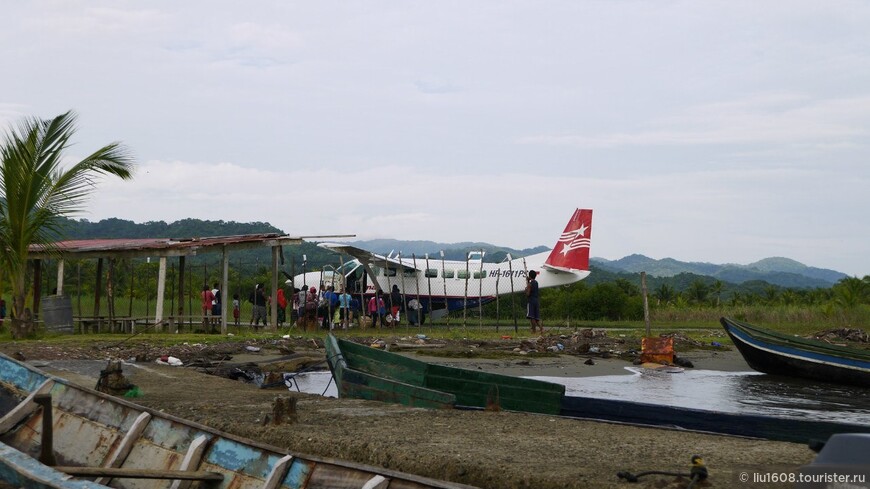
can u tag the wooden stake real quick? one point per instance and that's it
(645, 302)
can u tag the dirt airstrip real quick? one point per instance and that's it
(502, 450)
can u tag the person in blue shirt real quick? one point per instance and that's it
(344, 311)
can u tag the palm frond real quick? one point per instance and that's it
(37, 189)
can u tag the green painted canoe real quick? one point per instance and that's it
(369, 373)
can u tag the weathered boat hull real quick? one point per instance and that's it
(778, 354)
(364, 372)
(749, 425)
(91, 429)
(369, 373)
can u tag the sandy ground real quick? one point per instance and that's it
(485, 449)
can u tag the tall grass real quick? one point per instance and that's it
(801, 320)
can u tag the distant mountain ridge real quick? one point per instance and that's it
(780, 271)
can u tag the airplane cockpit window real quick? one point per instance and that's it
(347, 267)
(431, 272)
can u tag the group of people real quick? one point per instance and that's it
(334, 308)
(378, 312)
(338, 308)
(211, 305)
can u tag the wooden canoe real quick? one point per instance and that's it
(369, 373)
(776, 353)
(113, 442)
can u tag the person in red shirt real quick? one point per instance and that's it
(207, 299)
(282, 307)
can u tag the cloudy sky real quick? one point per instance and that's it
(723, 132)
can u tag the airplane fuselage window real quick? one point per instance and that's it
(462, 274)
(448, 274)
(431, 272)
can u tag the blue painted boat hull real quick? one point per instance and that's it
(779, 354)
(95, 430)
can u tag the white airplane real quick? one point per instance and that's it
(447, 285)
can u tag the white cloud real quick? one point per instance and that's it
(718, 216)
(774, 119)
(712, 131)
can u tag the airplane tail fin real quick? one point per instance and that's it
(572, 250)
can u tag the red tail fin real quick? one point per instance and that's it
(572, 250)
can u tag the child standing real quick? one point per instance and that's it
(236, 311)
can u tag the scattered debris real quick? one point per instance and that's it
(856, 335)
(169, 360)
(682, 362)
(681, 339)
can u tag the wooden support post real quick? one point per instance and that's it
(110, 294)
(645, 302)
(225, 286)
(273, 322)
(161, 290)
(98, 287)
(60, 277)
(284, 410)
(181, 260)
(46, 454)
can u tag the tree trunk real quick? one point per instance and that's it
(21, 322)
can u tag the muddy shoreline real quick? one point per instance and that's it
(485, 449)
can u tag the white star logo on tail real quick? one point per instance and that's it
(571, 240)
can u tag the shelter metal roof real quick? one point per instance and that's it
(142, 247)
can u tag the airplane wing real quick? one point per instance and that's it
(370, 259)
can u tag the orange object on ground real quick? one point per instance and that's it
(657, 350)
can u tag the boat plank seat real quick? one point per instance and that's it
(192, 459)
(126, 445)
(25, 408)
(121, 473)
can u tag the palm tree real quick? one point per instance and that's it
(716, 289)
(697, 292)
(37, 188)
(664, 294)
(850, 292)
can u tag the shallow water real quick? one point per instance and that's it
(734, 392)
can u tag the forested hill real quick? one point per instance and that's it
(781, 272)
(249, 261)
(185, 228)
